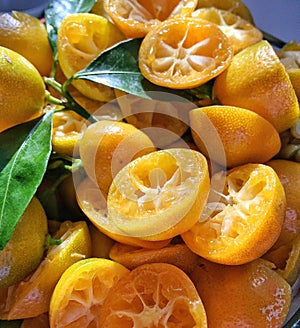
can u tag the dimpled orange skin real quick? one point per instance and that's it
(249, 295)
(136, 18)
(241, 131)
(28, 36)
(289, 175)
(249, 225)
(177, 204)
(177, 254)
(256, 80)
(107, 146)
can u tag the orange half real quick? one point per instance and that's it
(159, 195)
(135, 18)
(79, 294)
(240, 32)
(93, 204)
(153, 295)
(242, 222)
(184, 52)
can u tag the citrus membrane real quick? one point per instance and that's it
(184, 52)
(233, 227)
(159, 195)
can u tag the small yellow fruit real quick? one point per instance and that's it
(24, 251)
(22, 90)
(16, 33)
(258, 81)
(107, 146)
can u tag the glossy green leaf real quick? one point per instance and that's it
(22, 175)
(117, 67)
(57, 10)
(12, 139)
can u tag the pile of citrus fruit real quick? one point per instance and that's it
(175, 209)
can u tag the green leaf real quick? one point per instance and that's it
(22, 175)
(12, 139)
(57, 10)
(117, 67)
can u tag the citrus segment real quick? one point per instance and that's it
(135, 18)
(107, 146)
(31, 297)
(67, 126)
(184, 52)
(94, 206)
(177, 254)
(240, 32)
(243, 221)
(80, 292)
(25, 249)
(81, 38)
(159, 195)
(153, 295)
(19, 77)
(16, 33)
(257, 80)
(248, 295)
(286, 258)
(236, 7)
(241, 132)
(98, 9)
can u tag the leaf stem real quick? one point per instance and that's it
(64, 157)
(50, 241)
(77, 164)
(44, 196)
(69, 102)
(60, 159)
(53, 83)
(53, 100)
(73, 105)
